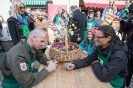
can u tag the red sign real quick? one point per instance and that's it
(52, 10)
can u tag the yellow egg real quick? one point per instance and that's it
(78, 39)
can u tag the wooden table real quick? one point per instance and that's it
(79, 78)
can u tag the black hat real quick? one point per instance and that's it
(90, 11)
(130, 8)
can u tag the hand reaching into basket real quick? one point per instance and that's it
(69, 66)
(52, 65)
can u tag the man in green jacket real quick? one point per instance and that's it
(21, 63)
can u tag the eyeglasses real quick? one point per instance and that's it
(22, 7)
(98, 37)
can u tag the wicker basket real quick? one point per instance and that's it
(65, 56)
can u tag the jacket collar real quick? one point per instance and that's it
(77, 10)
(30, 49)
(104, 51)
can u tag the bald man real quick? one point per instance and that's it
(21, 63)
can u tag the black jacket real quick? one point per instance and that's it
(15, 30)
(117, 62)
(129, 38)
(80, 19)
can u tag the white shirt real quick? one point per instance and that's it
(5, 31)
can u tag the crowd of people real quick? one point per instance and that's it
(110, 57)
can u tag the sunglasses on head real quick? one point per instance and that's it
(22, 7)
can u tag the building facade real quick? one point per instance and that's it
(5, 5)
(5, 8)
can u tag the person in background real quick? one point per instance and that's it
(0, 25)
(109, 9)
(124, 11)
(79, 20)
(18, 23)
(28, 10)
(98, 19)
(129, 41)
(21, 63)
(88, 44)
(90, 22)
(41, 24)
(33, 13)
(123, 14)
(46, 14)
(10, 11)
(1, 29)
(130, 1)
(5, 30)
(109, 59)
(31, 23)
(65, 17)
(57, 17)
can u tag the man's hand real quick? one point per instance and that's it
(52, 65)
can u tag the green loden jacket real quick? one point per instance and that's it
(16, 66)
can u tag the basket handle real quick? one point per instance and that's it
(66, 39)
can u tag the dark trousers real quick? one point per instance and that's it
(130, 71)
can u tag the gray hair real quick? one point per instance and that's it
(74, 7)
(37, 32)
